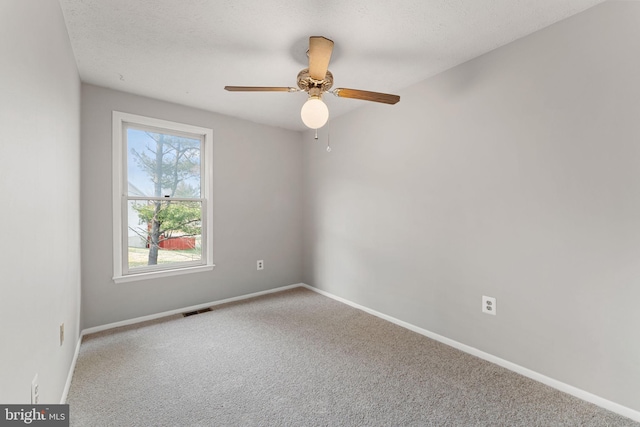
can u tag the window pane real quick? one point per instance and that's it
(160, 164)
(164, 232)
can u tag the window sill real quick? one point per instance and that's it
(159, 274)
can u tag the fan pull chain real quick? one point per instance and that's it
(328, 141)
(316, 135)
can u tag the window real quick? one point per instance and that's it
(162, 216)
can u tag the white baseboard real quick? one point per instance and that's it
(183, 310)
(566, 388)
(72, 368)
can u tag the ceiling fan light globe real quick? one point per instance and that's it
(314, 113)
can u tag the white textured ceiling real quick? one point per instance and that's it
(186, 51)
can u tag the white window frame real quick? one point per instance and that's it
(121, 273)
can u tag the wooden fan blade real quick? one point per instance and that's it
(365, 95)
(320, 49)
(259, 89)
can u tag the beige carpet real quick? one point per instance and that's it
(297, 358)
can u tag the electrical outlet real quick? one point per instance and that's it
(61, 333)
(489, 305)
(260, 265)
(35, 392)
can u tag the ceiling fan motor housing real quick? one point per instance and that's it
(313, 86)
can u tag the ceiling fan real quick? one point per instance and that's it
(316, 80)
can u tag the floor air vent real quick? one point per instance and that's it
(191, 313)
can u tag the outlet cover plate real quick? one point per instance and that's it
(489, 305)
(35, 392)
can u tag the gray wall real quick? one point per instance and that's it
(256, 208)
(40, 188)
(515, 175)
